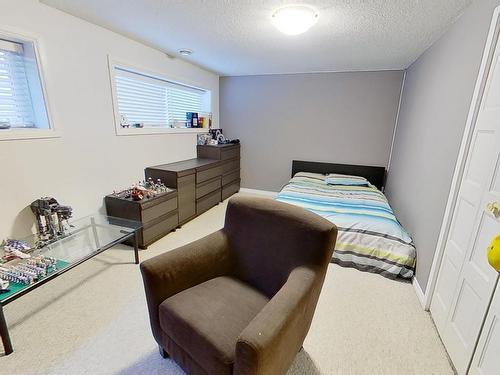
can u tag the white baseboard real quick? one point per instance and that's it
(419, 292)
(267, 193)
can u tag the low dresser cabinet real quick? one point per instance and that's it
(158, 215)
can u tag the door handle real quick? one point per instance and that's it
(494, 208)
(494, 253)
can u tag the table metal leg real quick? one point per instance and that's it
(4, 332)
(136, 246)
(94, 230)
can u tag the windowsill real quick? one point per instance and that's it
(18, 134)
(149, 131)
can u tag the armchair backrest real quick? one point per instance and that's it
(269, 239)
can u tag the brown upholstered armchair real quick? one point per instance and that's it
(241, 300)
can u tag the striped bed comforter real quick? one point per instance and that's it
(370, 238)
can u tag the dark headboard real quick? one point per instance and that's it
(376, 175)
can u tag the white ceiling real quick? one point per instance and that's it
(236, 37)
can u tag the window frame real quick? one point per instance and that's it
(31, 133)
(116, 63)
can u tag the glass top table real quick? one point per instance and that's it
(83, 239)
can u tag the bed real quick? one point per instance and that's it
(370, 238)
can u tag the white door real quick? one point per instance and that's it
(487, 355)
(466, 281)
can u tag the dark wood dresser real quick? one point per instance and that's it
(158, 215)
(202, 182)
(193, 179)
(229, 155)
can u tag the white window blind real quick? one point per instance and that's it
(141, 101)
(153, 101)
(16, 107)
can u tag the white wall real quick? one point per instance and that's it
(88, 161)
(337, 117)
(436, 100)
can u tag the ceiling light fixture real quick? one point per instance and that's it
(294, 19)
(185, 52)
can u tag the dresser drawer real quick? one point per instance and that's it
(218, 152)
(230, 166)
(207, 174)
(208, 201)
(230, 177)
(186, 180)
(123, 209)
(152, 212)
(159, 229)
(230, 189)
(230, 153)
(207, 187)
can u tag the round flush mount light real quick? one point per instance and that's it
(185, 52)
(294, 19)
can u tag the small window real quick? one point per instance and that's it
(22, 102)
(153, 102)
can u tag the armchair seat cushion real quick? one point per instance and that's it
(207, 319)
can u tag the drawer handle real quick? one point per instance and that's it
(494, 208)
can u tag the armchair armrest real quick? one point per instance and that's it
(183, 268)
(269, 344)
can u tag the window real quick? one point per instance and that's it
(155, 102)
(22, 103)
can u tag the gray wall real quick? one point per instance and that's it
(337, 117)
(436, 99)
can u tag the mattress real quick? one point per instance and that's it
(370, 238)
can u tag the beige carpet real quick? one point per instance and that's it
(93, 320)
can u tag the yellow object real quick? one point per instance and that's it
(494, 253)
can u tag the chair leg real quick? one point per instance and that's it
(163, 353)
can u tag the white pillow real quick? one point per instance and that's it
(345, 179)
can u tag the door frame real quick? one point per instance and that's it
(489, 49)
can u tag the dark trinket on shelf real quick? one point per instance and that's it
(137, 193)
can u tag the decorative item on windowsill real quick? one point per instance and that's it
(179, 124)
(205, 120)
(51, 219)
(192, 120)
(199, 120)
(143, 190)
(124, 122)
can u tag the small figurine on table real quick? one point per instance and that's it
(15, 249)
